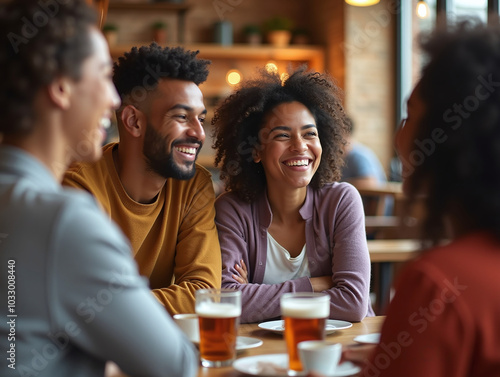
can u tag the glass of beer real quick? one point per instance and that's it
(218, 313)
(305, 316)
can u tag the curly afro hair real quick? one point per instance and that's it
(460, 90)
(239, 118)
(140, 70)
(32, 56)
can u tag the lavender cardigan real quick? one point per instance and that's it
(335, 245)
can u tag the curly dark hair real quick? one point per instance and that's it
(140, 70)
(240, 117)
(39, 42)
(460, 89)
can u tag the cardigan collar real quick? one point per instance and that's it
(266, 215)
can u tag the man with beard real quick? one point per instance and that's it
(149, 182)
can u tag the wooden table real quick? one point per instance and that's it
(274, 343)
(399, 250)
(385, 253)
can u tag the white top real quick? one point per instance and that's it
(280, 266)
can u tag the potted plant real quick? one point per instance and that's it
(110, 32)
(253, 34)
(279, 31)
(300, 36)
(159, 32)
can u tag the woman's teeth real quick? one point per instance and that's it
(298, 163)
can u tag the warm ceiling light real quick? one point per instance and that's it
(233, 77)
(422, 9)
(362, 3)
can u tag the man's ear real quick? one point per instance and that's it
(133, 120)
(59, 92)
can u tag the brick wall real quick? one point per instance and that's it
(370, 71)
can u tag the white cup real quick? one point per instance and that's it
(189, 325)
(320, 356)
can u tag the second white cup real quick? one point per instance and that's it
(320, 356)
(189, 325)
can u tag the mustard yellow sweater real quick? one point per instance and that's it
(174, 239)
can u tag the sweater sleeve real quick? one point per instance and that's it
(349, 259)
(105, 305)
(197, 255)
(259, 301)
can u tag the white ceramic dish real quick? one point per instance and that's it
(373, 338)
(244, 343)
(277, 366)
(332, 325)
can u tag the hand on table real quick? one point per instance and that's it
(242, 278)
(357, 354)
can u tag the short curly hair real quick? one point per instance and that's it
(38, 43)
(238, 120)
(460, 90)
(140, 70)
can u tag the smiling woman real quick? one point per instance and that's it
(285, 225)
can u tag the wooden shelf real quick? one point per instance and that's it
(160, 6)
(313, 54)
(179, 8)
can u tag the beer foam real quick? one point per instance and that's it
(299, 308)
(218, 310)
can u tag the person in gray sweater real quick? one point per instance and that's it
(71, 293)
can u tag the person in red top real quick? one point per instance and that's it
(444, 319)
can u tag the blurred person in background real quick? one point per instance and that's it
(362, 167)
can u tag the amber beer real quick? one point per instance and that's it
(219, 316)
(305, 316)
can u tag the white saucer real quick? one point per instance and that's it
(373, 338)
(243, 343)
(277, 366)
(332, 325)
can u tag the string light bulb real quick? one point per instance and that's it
(271, 67)
(233, 77)
(422, 9)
